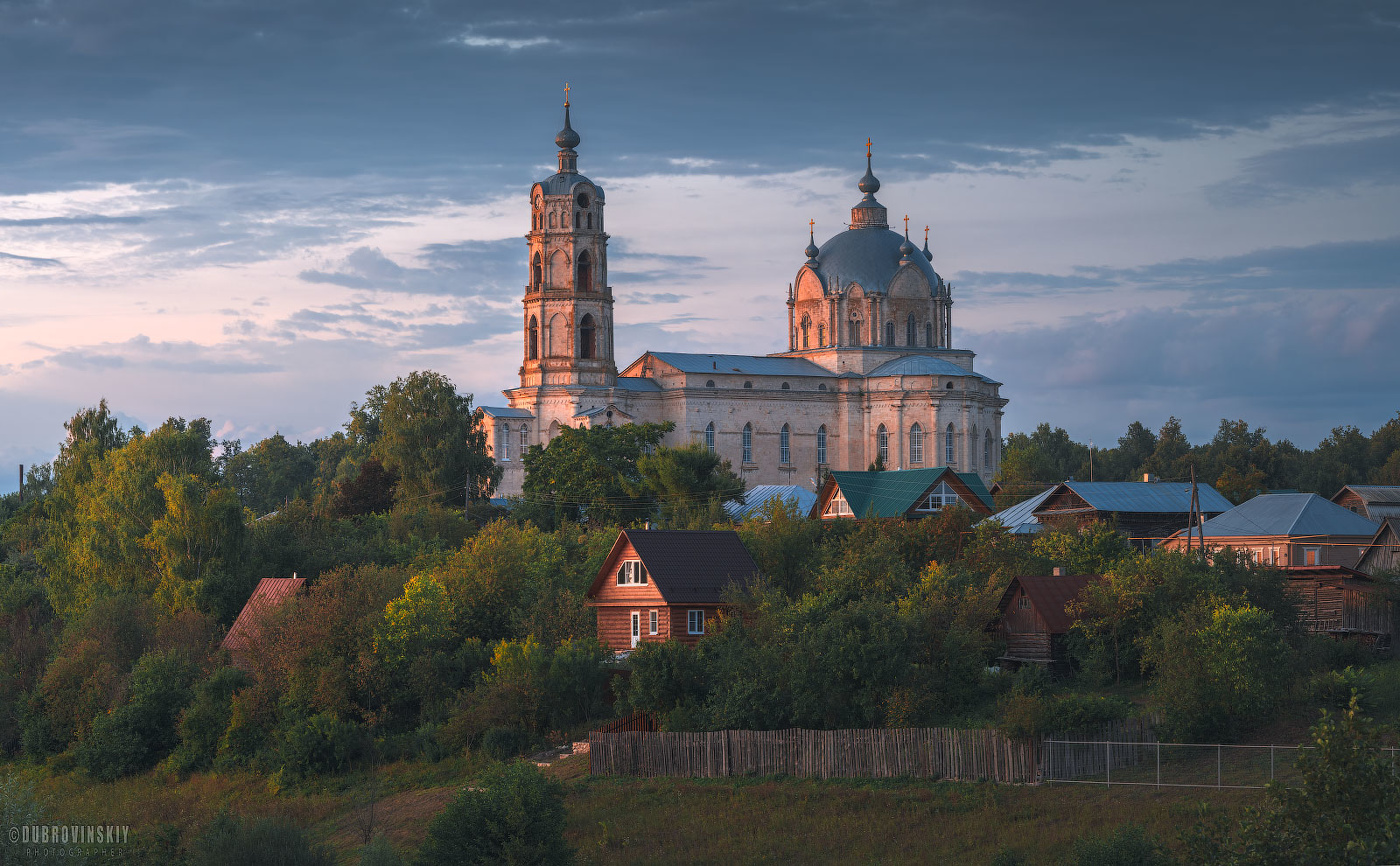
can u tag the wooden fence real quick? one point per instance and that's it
(878, 753)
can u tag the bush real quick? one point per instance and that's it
(515, 816)
(229, 841)
(503, 744)
(1038, 715)
(380, 853)
(322, 743)
(136, 734)
(1128, 845)
(205, 720)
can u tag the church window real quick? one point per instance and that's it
(821, 445)
(586, 331)
(710, 437)
(821, 335)
(910, 332)
(806, 325)
(972, 449)
(821, 387)
(578, 219)
(748, 384)
(948, 446)
(582, 199)
(524, 439)
(928, 334)
(889, 333)
(532, 349)
(940, 497)
(882, 444)
(855, 332)
(590, 220)
(785, 446)
(503, 437)
(551, 220)
(987, 452)
(916, 444)
(585, 272)
(786, 387)
(536, 273)
(709, 383)
(748, 443)
(950, 386)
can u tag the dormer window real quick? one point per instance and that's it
(631, 572)
(838, 507)
(941, 496)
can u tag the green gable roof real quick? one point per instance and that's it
(893, 493)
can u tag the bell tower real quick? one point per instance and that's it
(568, 302)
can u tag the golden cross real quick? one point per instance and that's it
(868, 144)
(812, 224)
(906, 225)
(925, 235)
(566, 94)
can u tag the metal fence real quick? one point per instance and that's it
(1170, 765)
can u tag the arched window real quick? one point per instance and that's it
(584, 282)
(524, 439)
(787, 387)
(536, 273)
(585, 336)
(748, 443)
(590, 220)
(911, 333)
(889, 333)
(916, 444)
(855, 332)
(972, 449)
(710, 437)
(821, 387)
(821, 445)
(806, 326)
(532, 349)
(948, 446)
(709, 383)
(748, 384)
(785, 445)
(928, 335)
(551, 219)
(503, 436)
(882, 444)
(987, 452)
(821, 335)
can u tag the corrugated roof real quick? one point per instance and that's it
(1374, 492)
(755, 365)
(1020, 518)
(1142, 497)
(637, 383)
(758, 496)
(506, 412)
(270, 594)
(1050, 595)
(924, 365)
(893, 493)
(692, 566)
(1288, 514)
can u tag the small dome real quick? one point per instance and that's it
(869, 184)
(906, 249)
(928, 255)
(811, 250)
(567, 139)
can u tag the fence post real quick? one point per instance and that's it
(1271, 763)
(1108, 762)
(1159, 765)
(1218, 750)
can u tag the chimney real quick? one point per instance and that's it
(1059, 571)
(1149, 478)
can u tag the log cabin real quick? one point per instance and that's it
(245, 635)
(663, 584)
(1372, 501)
(1033, 619)
(1145, 511)
(1383, 553)
(1287, 529)
(1344, 603)
(906, 493)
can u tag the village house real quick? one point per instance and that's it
(1034, 621)
(1343, 603)
(663, 584)
(1145, 511)
(1286, 529)
(1383, 553)
(907, 493)
(1020, 518)
(1372, 501)
(757, 498)
(245, 635)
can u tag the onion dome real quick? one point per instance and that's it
(928, 255)
(869, 213)
(811, 250)
(870, 184)
(567, 139)
(906, 249)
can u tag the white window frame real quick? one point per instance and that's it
(785, 446)
(710, 437)
(821, 445)
(748, 444)
(1313, 553)
(838, 506)
(949, 447)
(691, 618)
(653, 621)
(1025, 602)
(636, 627)
(631, 573)
(916, 444)
(882, 445)
(939, 497)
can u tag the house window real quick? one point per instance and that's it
(1312, 556)
(653, 622)
(916, 444)
(821, 445)
(939, 497)
(748, 443)
(631, 572)
(710, 437)
(695, 621)
(948, 446)
(882, 444)
(1025, 602)
(838, 507)
(785, 445)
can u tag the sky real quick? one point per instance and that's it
(255, 210)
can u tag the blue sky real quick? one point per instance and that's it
(257, 209)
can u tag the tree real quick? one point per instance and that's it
(141, 730)
(421, 428)
(512, 815)
(371, 491)
(1171, 459)
(1107, 613)
(684, 482)
(269, 473)
(590, 475)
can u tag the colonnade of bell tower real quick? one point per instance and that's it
(568, 302)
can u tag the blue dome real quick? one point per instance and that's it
(870, 257)
(563, 183)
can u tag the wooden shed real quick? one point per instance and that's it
(1344, 603)
(1145, 511)
(246, 632)
(1383, 552)
(659, 584)
(1033, 620)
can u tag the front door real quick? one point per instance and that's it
(636, 628)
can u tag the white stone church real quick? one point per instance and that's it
(869, 370)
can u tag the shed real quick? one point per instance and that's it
(1382, 554)
(1343, 602)
(1033, 618)
(1146, 511)
(1372, 501)
(907, 493)
(659, 584)
(245, 634)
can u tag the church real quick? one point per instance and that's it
(869, 373)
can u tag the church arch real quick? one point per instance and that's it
(916, 444)
(524, 439)
(586, 339)
(536, 273)
(987, 452)
(532, 340)
(948, 446)
(558, 268)
(928, 334)
(503, 442)
(787, 387)
(748, 384)
(882, 445)
(551, 219)
(709, 383)
(854, 332)
(590, 220)
(748, 443)
(710, 437)
(821, 335)
(584, 280)
(972, 449)
(806, 327)
(556, 337)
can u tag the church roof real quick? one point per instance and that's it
(563, 183)
(924, 365)
(637, 383)
(757, 365)
(506, 412)
(869, 256)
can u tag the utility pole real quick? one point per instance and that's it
(21, 484)
(1195, 515)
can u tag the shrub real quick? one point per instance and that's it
(137, 733)
(504, 743)
(229, 841)
(206, 719)
(380, 853)
(1128, 845)
(515, 816)
(1033, 715)
(322, 743)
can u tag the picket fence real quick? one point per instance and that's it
(879, 753)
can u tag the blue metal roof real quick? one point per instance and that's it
(637, 383)
(924, 365)
(1141, 497)
(564, 182)
(756, 365)
(759, 495)
(1020, 518)
(506, 412)
(870, 257)
(1289, 514)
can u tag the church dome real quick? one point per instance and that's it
(871, 257)
(567, 138)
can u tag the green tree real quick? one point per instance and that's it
(1171, 459)
(513, 815)
(421, 428)
(269, 473)
(590, 475)
(141, 730)
(685, 482)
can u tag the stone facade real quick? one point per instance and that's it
(869, 370)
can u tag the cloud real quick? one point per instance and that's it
(30, 261)
(142, 353)
(472, 40)
(468, 269)
(655, 298)
(1292, 173)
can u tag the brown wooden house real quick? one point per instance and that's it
(659, 584)
(1033, 620)
(1286, 529)
(246, 632)
(1343, 602)
(1145, 511)
(1382, 554)
(1372, 501)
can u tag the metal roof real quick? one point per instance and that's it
(270, 594)
(1020, 518)
(756, 365)
(924, 365)
(893, 493)
(1374, 492)
(1050, 596)
(637, 383)
(870, 257)
(1288, 514)
(1143, 497)
(563, 183)
(506, 412)
(759, 495)
(687, 566)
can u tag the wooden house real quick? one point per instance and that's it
(1033, 619)
(907, 493)
(1145, 511)
(1287, 529)
(1372, 501)
(245, 634)
(658, 584)
(1343, 602)
(1382, 554)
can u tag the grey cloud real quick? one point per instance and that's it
(142, 353)
(31, 260)
(1291, 173)
(467, 269)
(655, 298)
(82, 220)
